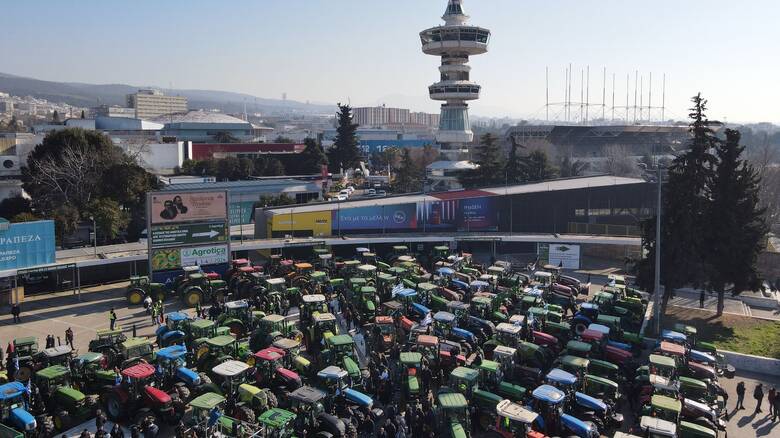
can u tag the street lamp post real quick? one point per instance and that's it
(94, 234)
(657, 283)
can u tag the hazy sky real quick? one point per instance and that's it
(368, 51)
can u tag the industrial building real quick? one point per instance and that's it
(206, 127)
(382, 116)
(149, 104)
(587, 205)
(205, 151)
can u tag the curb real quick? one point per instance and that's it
(755, 364)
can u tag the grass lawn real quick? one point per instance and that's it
(730, 332)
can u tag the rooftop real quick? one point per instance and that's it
(198, 117)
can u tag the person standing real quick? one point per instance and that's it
(770, 398)
(776, 404)
(701, 300)
(117, 432)
(16, 310)
(69, 337)
(758, 394)
(740, 395)
(112, 318)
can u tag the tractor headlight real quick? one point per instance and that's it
(31, 425)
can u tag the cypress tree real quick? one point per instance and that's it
(737, 227)
(345, 151)
(490, 170)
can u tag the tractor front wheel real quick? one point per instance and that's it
(135, 296)
(193, 296)
(62, 421)
(114, 408)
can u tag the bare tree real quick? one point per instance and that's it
(766, 159)
(618, 162)
(71, 179)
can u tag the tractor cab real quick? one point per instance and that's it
(216, 350)
(513, 420)
(653, 427)
(428, 346)
(665, 408)
(26, 347)
(270, 371)
(14, 409)
(136, 349)
(561, 380)
(276, 423)
(87, 370)
(393, 309)
(464, 380)
(174, 329)
(443, 323)
(325, 262)
(509, 334)
(54, 385)
(453, 415)
(304, 269)
(277, 326)
(309, 403)
(490, 374)
(426, 291)
(231, 374)
(385, 283)
(319, 279)
(399, 272)
(336, 382)
(340, 349)
(292, 354)
(385, 329)
(542, 279)
(440, 252)
(349, 268)
(312, 304)
(172, 361)
(479, 286)
(663, 366)
(277, 285)
(367, 271)
(323, 328)
(575, 365)
(138, 390)
(410, 367)
(59, 355)
(203, 329)
(355, 283)
(506, 358)
(203, 405)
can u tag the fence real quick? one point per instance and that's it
(604, 229)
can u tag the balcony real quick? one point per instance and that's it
(454, 91)
(468, 40)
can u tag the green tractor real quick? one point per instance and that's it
(88, 373)
(140, 287)
(323, 326)
(200, 330)
(452, 415)
(239, 317)
(128, 352)
(276, 423)
(25, 349)
(365, 302)
(340, 351)
(198, 288)
(311, 305)
(410, 367)
(69, 405)
(272, 328)
(218, 350)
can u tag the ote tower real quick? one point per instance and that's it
(454, 42)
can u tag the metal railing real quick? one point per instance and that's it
(604, 229)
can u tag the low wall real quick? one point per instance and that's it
(754, 364)
(759, 302)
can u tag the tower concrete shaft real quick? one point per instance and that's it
(454, 42)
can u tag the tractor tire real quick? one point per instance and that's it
(159, 295)
(92, 402)
(135, 296)
(237, 329)
(192, 296)
(179, 406)
(245, 413)
(296, 335)
(24, 373)
(273, 402)
(183, 392)
(62, 421)
(350, 430)
(114, 409)
(220, 294)
(46, 425)
(204, 378)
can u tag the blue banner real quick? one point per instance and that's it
(241, 212)
(27, 244)
(387, 217)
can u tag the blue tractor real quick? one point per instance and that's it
(15, 410)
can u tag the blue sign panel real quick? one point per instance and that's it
(241, 212)
(27, 244)
(371, 146)
(388, 217)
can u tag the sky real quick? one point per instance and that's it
(367, 52)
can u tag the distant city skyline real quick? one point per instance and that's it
(368, 53)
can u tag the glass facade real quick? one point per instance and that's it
(454, 119)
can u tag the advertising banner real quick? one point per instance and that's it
(468, 214)
(379, 217)
(567, 256)
(27, 244)
(189, 234)
(183, 207)
(241, 212)
(175, 258)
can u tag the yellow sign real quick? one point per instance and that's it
(318, 223)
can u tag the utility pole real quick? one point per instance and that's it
(657, 283)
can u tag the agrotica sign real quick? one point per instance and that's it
(27, 244)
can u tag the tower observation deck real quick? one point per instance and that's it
(454, 42)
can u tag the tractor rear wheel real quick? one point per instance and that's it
(114, 409)
(273, 402)
(245, 413)
(62, 421)
(24, 373)
(193, 296)
(237, 328)
(135, 296)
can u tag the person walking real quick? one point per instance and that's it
(758, 394)
(740, 395)
(112, 318)
(69, 337)
(701, 300)
(776, 404)
(117, 432)
(770, 399)
(16, 310)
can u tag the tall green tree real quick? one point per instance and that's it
(514, 170)
(55, 118)
(225, 137)
(110, 218)
(570, 168)
(312, 158)
(684, 211)
(737, 228)
(408, 176)
(490, 167)
(537, 166)
(345, 152)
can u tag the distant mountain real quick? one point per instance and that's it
(88, 95)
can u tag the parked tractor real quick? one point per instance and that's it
(25, 349)
(271, 373)
(309, 403)
(276, 423)
(365, 303)
(174, 331)
(107, 343)
(137, 397)
(452, 415)
(217, 350)
(272, 328)
(244, 401)
(89, 373)
(239, 317)
(311, 305)
(68, 405)
(202, 409)
(15, 411)
(140, 287)
(199, 288)
(174, 376)
(324, 326)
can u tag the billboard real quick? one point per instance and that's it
(241, 213)
(559, 254)
(27, 244)
(377, 217)
(318, 222)
(175, 258)
(189, 234)
(182, 207)
(468, 214)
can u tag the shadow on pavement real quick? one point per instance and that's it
(745, 420)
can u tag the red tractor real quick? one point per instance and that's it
(136, 398)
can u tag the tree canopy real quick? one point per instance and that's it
(489, 161)
(345, 152)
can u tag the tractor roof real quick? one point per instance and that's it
(313, 298)
(515, 412)
(177, 316)
(481, 300)
(488, 365)
(52, 372)
(286, 343)
(444, 316)
(240, 304)
(276, 418)
(666, 403)
(27, 340)
(332, 373)
(202, 323)
(274, 318)
(558, 375)
(340, 340)
(11, 390)
(590, 378)
(406, 293)
(269, 354)
(367, 289)
(352, 263)
(367, 268)
(427, 340)
(383, 319)
(324, 317)
(386, 277)
(441, 248)
(504, 327)
(465, 373)
(693, 429)
(108, 332)
(574, 361)
(325, 256)
(496, 269)
(410, 358)
(275, 281)
(89, 357)
(318, 274)
(60, 350)
(452, 400)
(397, 270)
(221, 341)
(503, 350)
(405, 258)
(655, 425)
(197, 276)
(134, 342)
(207, 401)
(445, 271)
(140, 371)
(307, 394)
(548, 394)
(192, 268)
(601, 328)
(230, 368)
(172, 353)
(427, 286)
(664, 361)
(303, 266)
(672, 348)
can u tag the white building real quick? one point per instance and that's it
(153, 103)
(15, 147)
